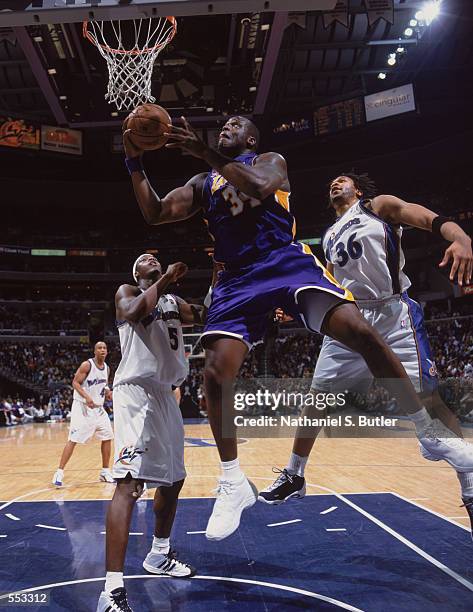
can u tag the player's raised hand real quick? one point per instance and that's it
(186, 139)
(131, 150)
(176, 271)
(462, 261)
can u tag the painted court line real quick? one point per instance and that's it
(51, 527)
(271, 585)
(3, 536)
(447, 570)
(192, 532)
(331, 509)
(445, 518)
(137, 533)
(336, 529)
(12, 517)
(284, 523)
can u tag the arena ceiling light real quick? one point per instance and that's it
(382, 76)
(429, 11)
(408, 32)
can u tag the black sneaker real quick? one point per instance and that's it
(468, 504)
(286, 486)
(113, 601)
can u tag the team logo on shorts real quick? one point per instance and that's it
(128, 453)
(433, 370)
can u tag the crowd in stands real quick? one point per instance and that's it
(28, 321)
(48, 368)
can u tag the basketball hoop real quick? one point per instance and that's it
(130, 49)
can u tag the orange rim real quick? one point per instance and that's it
(167, 40)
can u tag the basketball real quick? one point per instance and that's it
(148, 123)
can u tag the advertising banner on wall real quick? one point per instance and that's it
(61, 140)
(19, 134)
(390, 102)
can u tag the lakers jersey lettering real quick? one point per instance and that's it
(245, 228)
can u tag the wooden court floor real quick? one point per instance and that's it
(30, 454)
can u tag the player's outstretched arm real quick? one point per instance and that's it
(265, 177)
(79, 377)
(394, 210)
(191, 314)
(179, 204)
(132, 304)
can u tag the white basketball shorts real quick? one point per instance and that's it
(400, 321)
(149, 434)
(85, 422)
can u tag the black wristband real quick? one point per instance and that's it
(437, 224)
(134, 164)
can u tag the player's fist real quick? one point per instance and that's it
(176, 271)
(281, 317)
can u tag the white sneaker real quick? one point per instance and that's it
(115, 601)
(233, 496)
(168, 564)
(106, 476)
(438, 442)
(58, 478)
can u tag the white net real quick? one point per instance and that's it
(130, 49)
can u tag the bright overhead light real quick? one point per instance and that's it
(413, 23)
(391, 61)
(210, 109)
(63, 97)
(51, 70)
(408, 32)
(430, 10)
(38, 39)
(382, 76)
(252, 88)
(400, 50)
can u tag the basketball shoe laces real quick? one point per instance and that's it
(283, 477)
(224, 490)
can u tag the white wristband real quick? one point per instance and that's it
(208, 298)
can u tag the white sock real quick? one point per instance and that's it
(231, 470)
(466, 482)
(421, 419)
(296, 465)
(61, 471)
(160, 545)
(113, 580)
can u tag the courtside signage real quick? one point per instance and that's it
(390, 102)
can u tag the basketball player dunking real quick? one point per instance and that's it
(87, 413)
(149, 433)
(245, 200)
(363, 252)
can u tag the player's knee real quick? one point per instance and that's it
(216, 372)
(366, 340)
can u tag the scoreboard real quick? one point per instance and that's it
(339, 116)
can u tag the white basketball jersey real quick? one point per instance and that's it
(366, 254)
(95, 383)
(153, 349)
